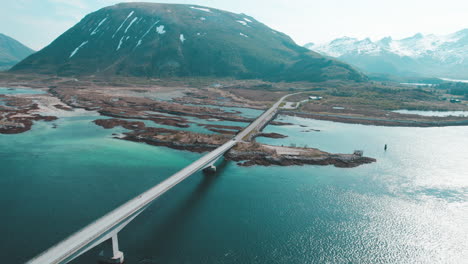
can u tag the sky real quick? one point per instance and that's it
(36, 23)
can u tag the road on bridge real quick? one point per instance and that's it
(110, 224)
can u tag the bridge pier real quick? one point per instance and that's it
(106, 228)
(210, 168)
(117, 255)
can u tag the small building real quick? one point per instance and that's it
(358, 153)
(315, 97)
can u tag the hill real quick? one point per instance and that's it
(11, 52)
(160, 40)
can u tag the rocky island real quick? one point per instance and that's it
(18, 114)
(193, 73)
(245, 153)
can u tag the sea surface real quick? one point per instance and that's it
(433, 113)
(454, 80)
(411, 206)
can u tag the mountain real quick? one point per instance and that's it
(11, 52)
(420, 55)
(159, 40)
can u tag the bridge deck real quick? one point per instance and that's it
(104, 227)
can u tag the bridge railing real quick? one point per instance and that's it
(108, 226)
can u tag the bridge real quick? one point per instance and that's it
(108, 226)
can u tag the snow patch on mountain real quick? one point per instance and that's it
(201, 9)
(97, 28)
(146, 33)
(242, 22)
(77, 49)
(125, 20)
(131, 23)
(120, 43)
(160, 30)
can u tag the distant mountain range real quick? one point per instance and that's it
(419, 55)
(159, 40)
(11, 52)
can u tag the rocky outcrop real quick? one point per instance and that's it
(128, 107)
(245, 153)
(250, 158)
(193, 147)
(238, 128)
(18, 117)
(175, 139)
(279, 123)
(271, 135)
(225, 130)
(63, 107)
(111, 123)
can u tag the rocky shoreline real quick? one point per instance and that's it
(378, 121)
(21, 124)
(245, 153)
(251, 158)
(270, 135)
(176, 139)
(18, 116)
(120, 108)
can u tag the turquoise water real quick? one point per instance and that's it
(4, 90)
(409, 207)
(10, 91)
(193, 123)
(245, 112)
(193, 127)
(434, 113)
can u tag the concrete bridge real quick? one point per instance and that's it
(108, 226)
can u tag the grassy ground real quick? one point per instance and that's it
(368, 96)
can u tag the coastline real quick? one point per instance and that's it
(245, 153)
(121, 104)
(377, 121)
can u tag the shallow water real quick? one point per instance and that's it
(193, 123)
(433, 113)
(4, 90)
(244, 112)
(409, 207)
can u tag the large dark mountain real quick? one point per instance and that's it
(419, 55)
(12, 52)
(158, 40)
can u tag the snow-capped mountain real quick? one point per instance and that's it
(427, 55)
(165, 40)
